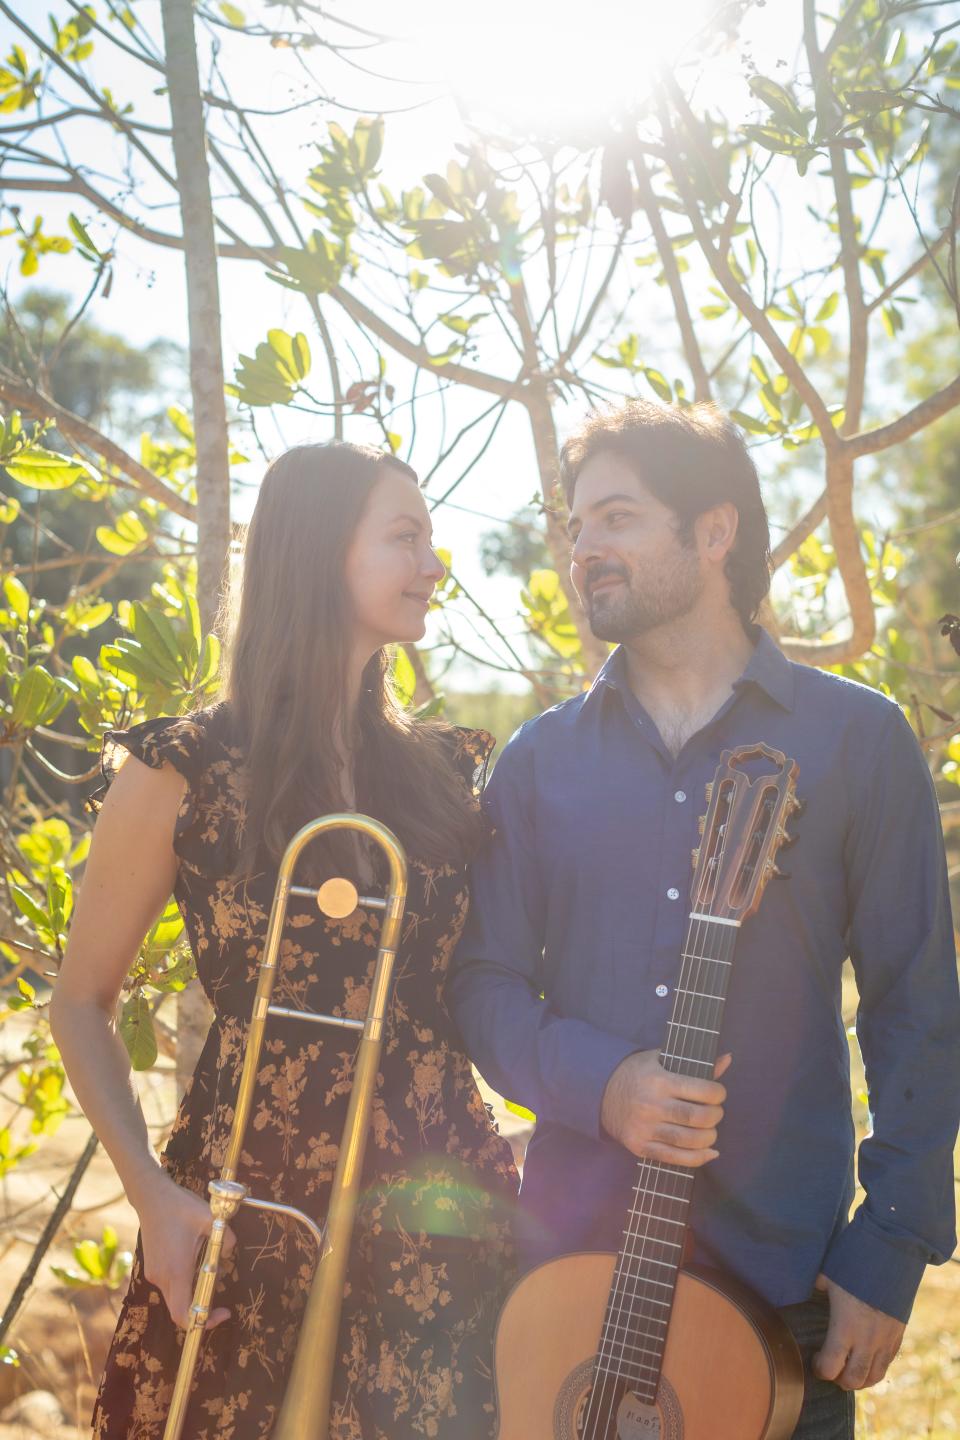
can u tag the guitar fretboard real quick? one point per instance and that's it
(641, 1297)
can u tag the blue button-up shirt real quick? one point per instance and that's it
(572, 950)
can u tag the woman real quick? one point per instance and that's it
(338, 565)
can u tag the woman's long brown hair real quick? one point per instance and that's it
(286, 679)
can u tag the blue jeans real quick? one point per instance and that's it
(828, 1413)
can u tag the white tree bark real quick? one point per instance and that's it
(206, 384)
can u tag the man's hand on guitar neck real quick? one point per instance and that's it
(861, 1342)
(658, 1115)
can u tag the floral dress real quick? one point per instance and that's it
(432, 1253)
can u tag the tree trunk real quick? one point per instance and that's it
(537, 401)
(206, 385)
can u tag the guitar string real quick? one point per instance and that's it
(652, 1172)
(660, 1184)
(705, 1040)
(699, 931)
(647, 1172)
(613, 1321)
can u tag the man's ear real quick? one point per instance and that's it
(717, 531)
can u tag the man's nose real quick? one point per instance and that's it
(586, 547)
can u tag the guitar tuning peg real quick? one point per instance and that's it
(708, 791)
(695, 857)
(786, 840)
(797, 806)
(702, 824)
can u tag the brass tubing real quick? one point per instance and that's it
(305, 1411)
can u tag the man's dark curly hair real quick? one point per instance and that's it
(690, 459)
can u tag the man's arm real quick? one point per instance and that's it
(557, 1066)
(563, 1068)
(908, 1025)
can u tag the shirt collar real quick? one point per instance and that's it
(767, 668)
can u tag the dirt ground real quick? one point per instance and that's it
(62, 1334)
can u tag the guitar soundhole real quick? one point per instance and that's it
(630, 1419)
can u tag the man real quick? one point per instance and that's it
(563, 979)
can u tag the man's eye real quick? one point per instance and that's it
(409, 537)
(614, 516)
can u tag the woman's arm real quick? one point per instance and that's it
(129, 876)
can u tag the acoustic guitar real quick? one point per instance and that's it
(637, 1346)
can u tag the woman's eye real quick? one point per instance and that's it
(615, 516)
(409, 537)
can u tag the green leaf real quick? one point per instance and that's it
(828, 307)
(31, 701)
(232, 13)
(748, 423)
(82, 236)
(658, 384)
(41, 469)
(137, 1032)
(18, 597)
(28, 907)
(127, 535)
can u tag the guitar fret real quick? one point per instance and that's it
(631, 1365)
(683, 1025)
(651, 1239)
(640, 1349)
(647, 1320)
(637, 1364)
(660, 1194)
(672, 1170)
(645, 1280)
(649, 1260)
(655, 1338)
(700, 994)
(645, 1215)
(686, 1059)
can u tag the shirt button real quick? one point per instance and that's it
(662, 991)
(673, 894)
(680, 796)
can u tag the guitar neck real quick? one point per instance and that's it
(641, 1297)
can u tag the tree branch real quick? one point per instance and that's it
(671, 271)
(919, 264)
(827, 119)
(418, 354)
(759, 322)
(801, 531)
(22, 396)
(868, 442)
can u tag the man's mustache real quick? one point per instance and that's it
(604, 572)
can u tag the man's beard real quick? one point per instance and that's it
(628, 611)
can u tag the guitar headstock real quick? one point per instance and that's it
(743, 829)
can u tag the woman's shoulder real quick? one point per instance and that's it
(187, 742)
(468, 748)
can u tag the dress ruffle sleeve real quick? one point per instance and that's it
(206, 834)
(472, 750)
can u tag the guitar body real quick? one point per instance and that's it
(731, 1368)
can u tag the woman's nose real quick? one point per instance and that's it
(433, 567)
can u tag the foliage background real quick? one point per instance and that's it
(767, 217)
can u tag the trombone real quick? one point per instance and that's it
(305, 1412)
